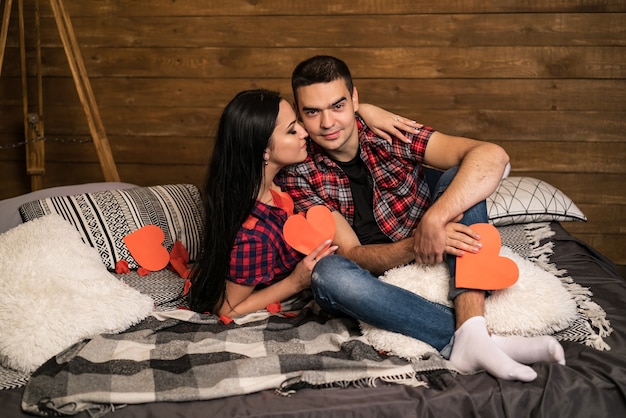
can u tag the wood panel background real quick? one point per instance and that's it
(546, 80)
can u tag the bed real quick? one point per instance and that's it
(291, 361)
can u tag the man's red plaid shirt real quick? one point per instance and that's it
(401, 195)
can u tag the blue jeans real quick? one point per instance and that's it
(475, 214)
(340, 286)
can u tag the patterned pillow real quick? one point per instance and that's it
(104, 218)
(527, 199)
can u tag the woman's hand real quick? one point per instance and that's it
(243, 299)
(386, 124)
(302, 273)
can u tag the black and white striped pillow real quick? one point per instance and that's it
(104, 218)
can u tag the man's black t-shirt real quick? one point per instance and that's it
(362, 189)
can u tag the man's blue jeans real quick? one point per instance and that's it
(340, 286)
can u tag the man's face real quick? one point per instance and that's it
(327, 112)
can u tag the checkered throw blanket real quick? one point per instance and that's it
(183, 356)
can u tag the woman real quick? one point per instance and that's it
(246, 265)
(258, 134)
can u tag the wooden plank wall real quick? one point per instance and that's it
(546, 80)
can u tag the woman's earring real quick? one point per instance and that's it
(266, 162)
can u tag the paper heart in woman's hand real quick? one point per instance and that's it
(306, 234)
(146, 247)
(486, 269)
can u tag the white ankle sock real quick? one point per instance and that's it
(474, 349)
(530, 350)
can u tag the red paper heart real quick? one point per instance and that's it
(179, 260)
(146, 247)
(486, 269)
(306, 234)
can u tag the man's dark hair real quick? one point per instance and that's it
(320, 69)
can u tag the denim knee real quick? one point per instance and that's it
(325, 278)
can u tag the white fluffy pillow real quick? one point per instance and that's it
(537, 304)
(56, 292)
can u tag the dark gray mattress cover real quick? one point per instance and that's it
(592, 385)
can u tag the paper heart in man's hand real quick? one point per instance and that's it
(486, 269)
(146, 247)
(306, 234)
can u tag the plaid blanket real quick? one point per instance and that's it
(183, 356)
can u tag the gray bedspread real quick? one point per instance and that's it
(591, 385)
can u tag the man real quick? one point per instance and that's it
(385, 217)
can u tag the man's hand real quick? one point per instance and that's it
(431, 240)
(377, 258)
(461, 239)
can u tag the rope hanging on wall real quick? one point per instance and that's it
(33, 125)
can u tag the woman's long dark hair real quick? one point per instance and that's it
(232, 184)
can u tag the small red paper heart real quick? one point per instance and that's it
(306, 234)
(186, 287)
(121, 267)
(142, 271)
(179, 260)
(486, 269)
(274, 307)
(146, 247)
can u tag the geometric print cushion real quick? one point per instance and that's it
(520, 200)
(104, 218)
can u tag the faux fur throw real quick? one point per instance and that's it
(56, 292)
(538, 304)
